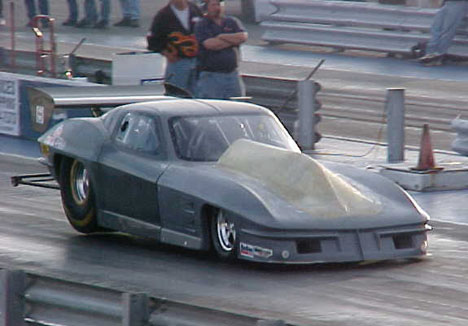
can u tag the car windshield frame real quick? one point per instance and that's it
(204, 138)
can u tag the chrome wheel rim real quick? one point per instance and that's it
(226, 232)
(79, 183)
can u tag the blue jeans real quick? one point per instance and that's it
(183, 74)
(31, 7)
(72, 10)
(219, 85)
(105, 10)
(91, 11)
(445, 24)
(130, 8)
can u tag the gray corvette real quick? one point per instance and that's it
(225, 176)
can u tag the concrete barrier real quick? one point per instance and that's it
(353, 25)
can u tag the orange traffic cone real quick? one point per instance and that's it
(426, 155)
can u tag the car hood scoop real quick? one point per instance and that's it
(298, 179)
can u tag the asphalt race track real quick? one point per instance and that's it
(35, 237)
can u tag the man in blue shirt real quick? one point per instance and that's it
(219, 38)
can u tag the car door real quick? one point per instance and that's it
(130, 165)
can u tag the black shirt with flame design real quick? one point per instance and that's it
(167, 33)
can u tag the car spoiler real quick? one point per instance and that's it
(44, 100)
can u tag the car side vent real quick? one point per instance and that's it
(308, 246)
(403, 241)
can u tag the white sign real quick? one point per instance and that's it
(9, 106)
(40, 114)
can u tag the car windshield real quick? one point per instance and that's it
(206, 138)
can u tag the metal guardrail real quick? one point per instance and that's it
(350, 25)
(351, 103)
(37, 300)
(360, 14)
(354, 104)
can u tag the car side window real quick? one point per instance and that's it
(138, 132)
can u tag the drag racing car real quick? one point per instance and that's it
(225, 176)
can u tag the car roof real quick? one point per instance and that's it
(188, 107)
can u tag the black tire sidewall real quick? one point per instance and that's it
(81, 216)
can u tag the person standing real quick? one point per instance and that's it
(92, 19)
(72, 13)
(444, 27)
(130, 12)
(172, 35)
(2, 19)
(219, 38)
(31, 10)
(105, 10)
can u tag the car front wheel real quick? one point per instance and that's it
(224, 235)
(78, 196)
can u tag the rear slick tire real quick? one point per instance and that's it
(78, 196)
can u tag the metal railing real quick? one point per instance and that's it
(353, 25)
(38, 300)
(45, 54)
(354, 104)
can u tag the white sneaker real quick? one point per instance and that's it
(437, 61)
(431, 57)
(2, 21)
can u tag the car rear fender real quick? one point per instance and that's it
(79, 138)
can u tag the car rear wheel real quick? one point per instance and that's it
(78, 196)
(223, 235)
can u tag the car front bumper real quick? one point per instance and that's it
(334, 245)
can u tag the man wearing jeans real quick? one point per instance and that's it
(2, 19)
(92, 19)
(171, 34)
(31, 10)
(219, 38)
(131, 13)
(444, 27)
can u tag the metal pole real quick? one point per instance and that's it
(306, 104)
(53, 47)
(291, 96)
(12, 36)
(395, 108)
(135, 309)
(12, 287)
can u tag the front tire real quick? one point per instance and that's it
(78, 196)
(224, 235)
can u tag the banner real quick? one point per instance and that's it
(9, 106)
